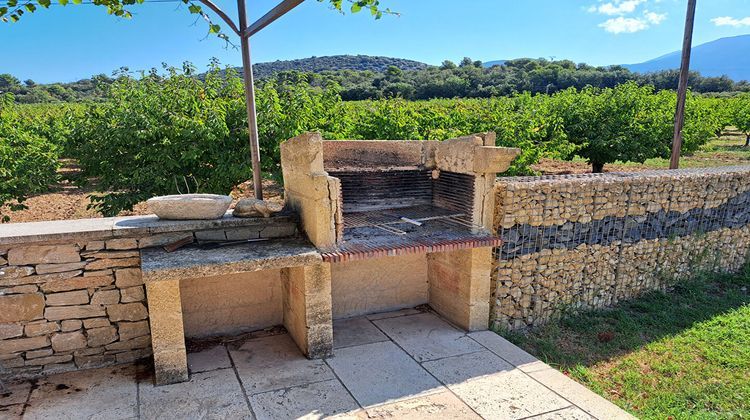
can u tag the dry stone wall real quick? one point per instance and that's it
(78, 301)
(589, 241)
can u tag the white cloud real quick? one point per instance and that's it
(628, 16)
(622, 25)
(618, 7)
(730, 21)
(654, 18)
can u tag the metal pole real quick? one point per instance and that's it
(679, 118)
(252, 123)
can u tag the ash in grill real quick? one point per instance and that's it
(366, 199)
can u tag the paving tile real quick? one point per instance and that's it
(443, 405)
(393, 314)
(507, 393)
(208, 395)
(427, 337)
(15, 393)
(313, 401)
(459, 369)
(11, 412)
(570, 413)
(378, 373)
(579, 395)
(355, 332)
(275, 362)
(210, 359)
(107, 393)
(507, 350)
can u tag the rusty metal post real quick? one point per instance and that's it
(252, 123)
(679, 119)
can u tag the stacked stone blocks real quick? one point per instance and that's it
(589, 241)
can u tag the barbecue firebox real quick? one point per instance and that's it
(364, 200)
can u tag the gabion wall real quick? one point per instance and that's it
(589, 241)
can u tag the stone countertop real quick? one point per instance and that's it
(194, 262)
(109, 227)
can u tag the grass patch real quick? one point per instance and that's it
(682, 354)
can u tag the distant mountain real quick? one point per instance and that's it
(724, 56)
(494, 63)
(336, 62)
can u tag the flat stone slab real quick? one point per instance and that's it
(506, 393)
(426, 337)
(207, 395)
(275, 362)
(269, 378)
(107, 393)
(355, 332)
(443, 405)
(381, 373)
(570, 413)
(194, 262)
(107, 227)
(313, 401)
(209, 359)
(578, 394)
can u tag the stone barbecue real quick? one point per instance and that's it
(369, 199)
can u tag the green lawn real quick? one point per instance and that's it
(684, 354)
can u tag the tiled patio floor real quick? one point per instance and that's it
(405, 364)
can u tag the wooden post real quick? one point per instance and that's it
(252, 124)
(679, 119)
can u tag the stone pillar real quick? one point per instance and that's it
(460, 286)
(167, 331)
(307, 308)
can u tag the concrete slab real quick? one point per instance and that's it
(313, 401)
(11, 411)
(427, 337)
(443, 405)
(108, 393)
(15, 393)
(355, 332)
(579, 395)
(380, 373)
(13, 398)
(215, 394)
(458, 369)
(506, 394)
(570, 413)
(505, 349)
(209, 359)
(393, 314)
(274, 362)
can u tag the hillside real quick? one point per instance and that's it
(724, 56)
(336, 62)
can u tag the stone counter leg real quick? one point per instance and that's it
(307, 308)
(460, 286)
(167, 331)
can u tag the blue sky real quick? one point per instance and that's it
(73, 42)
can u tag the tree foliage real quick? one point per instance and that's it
(28, 162)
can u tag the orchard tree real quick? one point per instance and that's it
(13, 10)
(625, 123)
(741, 116)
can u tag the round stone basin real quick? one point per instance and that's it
(190, 206)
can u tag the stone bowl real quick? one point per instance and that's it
(189, 206)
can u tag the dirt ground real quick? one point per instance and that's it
(68, 201)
